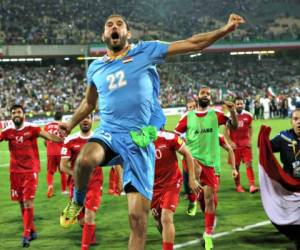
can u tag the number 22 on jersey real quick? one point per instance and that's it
(116, 80)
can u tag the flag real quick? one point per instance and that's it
(271, 91)
(280, 193)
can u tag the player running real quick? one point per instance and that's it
(202, 139)
(167, 183)
(240, 140)
(126, 84)
(70, 150)
(53, 156)
(24, 166)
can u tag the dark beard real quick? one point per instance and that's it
(203, 103)
(239, 111)
(18, 123)
(85, 129)
(118, 47)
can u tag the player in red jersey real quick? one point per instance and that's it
(202, 131)
(53, 155)
(167, 183)
(70, 150)
(240, 141)
(24, 166)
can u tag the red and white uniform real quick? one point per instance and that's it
(241, 138)
(168, 178)
(71, 148)
(207, 173)
(53, 148)
(24, 160)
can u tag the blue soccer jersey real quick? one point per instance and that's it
(128, 87)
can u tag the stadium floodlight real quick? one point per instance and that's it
(194, 55)
(67, 58)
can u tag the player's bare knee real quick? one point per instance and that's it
(138, 223)
(166, 220)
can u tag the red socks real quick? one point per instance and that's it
(28, 221)
(63, 181)
(250, 175)
(167, 246)
(192, 197)
(209, 222)
(88, 236)
(49, 179)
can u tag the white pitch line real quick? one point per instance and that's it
(218, 235)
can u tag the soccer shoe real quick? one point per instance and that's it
(208, 242)
(62, 219)
(50, 192)
(33, 236)
(25, 242)
(70, 213)
(65, 192)
(192, 209)
(240, 189)
(253, 189)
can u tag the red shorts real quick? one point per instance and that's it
(53, 162)
(242, 154)
(165, 198)
(94, 190)
(207, 175)
(23, 186)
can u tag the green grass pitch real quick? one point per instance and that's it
(235, 210)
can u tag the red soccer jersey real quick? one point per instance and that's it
(22, 143)
(240, 136)
(53, 148)
(167, 172)
(182, 124)
(72, 146)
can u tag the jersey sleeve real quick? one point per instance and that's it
(182, 125)
(156, 50)
(177, 142)
(222, 118)
(36, 131)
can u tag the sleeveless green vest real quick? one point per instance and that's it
(203, 138)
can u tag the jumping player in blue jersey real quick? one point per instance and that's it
(126, 84)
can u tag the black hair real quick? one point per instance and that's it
(122, 17)
(238, 98)
(17, 106)
(58, 115)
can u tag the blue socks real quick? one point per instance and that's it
(79, 196)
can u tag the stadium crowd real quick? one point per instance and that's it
(72, 22)
(41, 89)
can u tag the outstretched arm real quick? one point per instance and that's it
(200, 41)
(50, 137)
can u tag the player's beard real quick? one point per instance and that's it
(116, 47)
(239, 110)
(85, 128)
(203, 102)
(18, 121)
